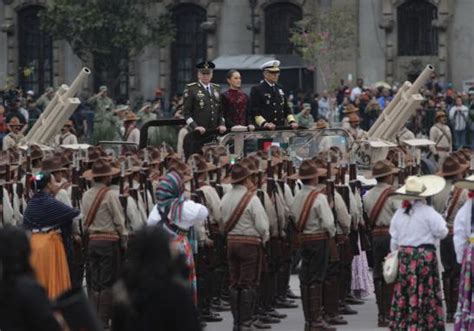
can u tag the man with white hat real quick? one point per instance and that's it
(440, 133)
(268, 102)
(14, 136)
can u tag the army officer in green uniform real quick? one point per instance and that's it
(202, 109)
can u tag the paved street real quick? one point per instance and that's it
(366, 320)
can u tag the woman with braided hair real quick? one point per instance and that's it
(50, 222)
(178, 215)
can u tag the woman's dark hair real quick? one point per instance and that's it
(230, 73)
(14, 253)
(41, 180)
(150, 259)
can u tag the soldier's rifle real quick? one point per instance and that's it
(20, 189)
(330, 192)
(122, 195)
(145, 181)
(131, 188)
(402, 171)
(29, 174)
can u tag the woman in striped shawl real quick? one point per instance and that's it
(178, 215)
(50, 223)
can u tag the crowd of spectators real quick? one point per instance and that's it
(328, 105)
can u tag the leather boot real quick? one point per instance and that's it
(330, 303)
(246, 306)
(454, 296)
(379, 298)
(305, 303)
(387, 299)
(105, 307)
(447, 297)
(234, 305)
(315, 305)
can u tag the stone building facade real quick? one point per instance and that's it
(395, 40)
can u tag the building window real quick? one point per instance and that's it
(190, 45)
(279, 20)
(35, 52)
(416, 34)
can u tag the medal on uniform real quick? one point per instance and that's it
(200, 94)
(201, 103)
(281, 92)
(216, 94)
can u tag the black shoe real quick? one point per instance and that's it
(260, 325)
(220, 306)
(346, 310)
(211, 317)
(273, 313)
(291, 295)
(336, 320)
(285, 304)
(267, 319)
(354, 301)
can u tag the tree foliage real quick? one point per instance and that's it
(105, 31)
(325, 38)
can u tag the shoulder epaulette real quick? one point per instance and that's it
(191, 84)
(215, 85)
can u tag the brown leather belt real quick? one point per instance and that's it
(380, 231)
(236, 239)
(104, 236)
(341, 238)
(308, 237)
(442, 149)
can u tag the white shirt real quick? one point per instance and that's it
(462, 229)
(423, 225)
(458, 117)
(193, 213)
(355, 92)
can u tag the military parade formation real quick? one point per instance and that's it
(240, 222)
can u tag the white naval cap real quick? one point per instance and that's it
(272, 66)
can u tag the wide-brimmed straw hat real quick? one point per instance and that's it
(238, 173)
(52, 164)
(451, 167)
(181, 168)
(101, 168)
(466, 183)
(420, 187)
(382, 168)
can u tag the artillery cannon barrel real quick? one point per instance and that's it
(62, 108)
(379, 128)
(375, 131)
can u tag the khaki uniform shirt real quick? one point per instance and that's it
(11, 140)
(110, 216)
(443, 200)
(356, 134)
(65, 139)
(253, 222)
(320, 217)
(441, 135)
(388, 209)
(343, 219)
